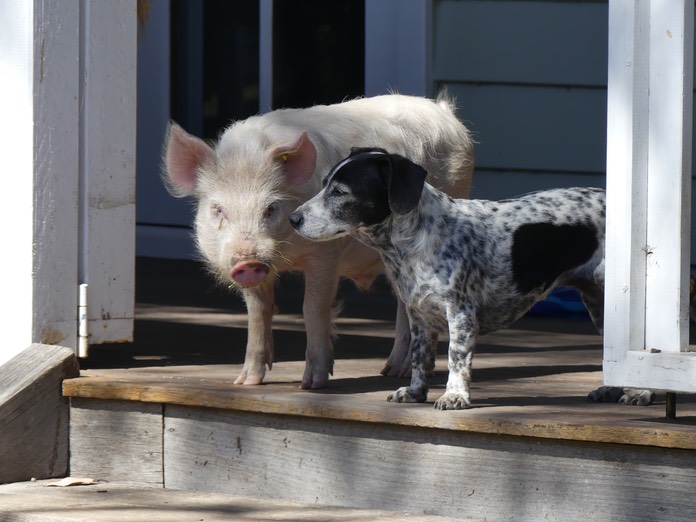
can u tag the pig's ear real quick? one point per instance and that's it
(183, 155)
(299, 159)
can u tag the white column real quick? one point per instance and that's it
(649, 139)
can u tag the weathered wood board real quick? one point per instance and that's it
(116, 440)
(421, 470)
(33, 414)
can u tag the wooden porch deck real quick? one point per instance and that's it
(163, 412)
(530, 380)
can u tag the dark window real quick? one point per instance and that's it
(215, 63)
(318, 58)
(318, 51)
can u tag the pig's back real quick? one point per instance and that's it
(423, 130)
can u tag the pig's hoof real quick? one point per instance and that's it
(399, 362)
(452, 401)
(405, 394)
(396, 370)
(249, 379)
(313, 384)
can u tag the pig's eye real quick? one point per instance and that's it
(270, 210)
(218, 211)
(218, 214)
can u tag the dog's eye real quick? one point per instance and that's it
(338, 191)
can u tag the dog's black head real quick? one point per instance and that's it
(360, 191)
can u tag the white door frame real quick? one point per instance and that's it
(68, 139)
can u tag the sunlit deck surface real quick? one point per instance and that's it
(529, 380)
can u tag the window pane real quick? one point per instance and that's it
(318, 51)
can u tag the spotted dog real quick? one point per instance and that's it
(464, 266)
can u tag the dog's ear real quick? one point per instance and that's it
(405, 184)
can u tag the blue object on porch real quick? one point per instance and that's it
(561, 302)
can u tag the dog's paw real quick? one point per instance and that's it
(605, 394)
(405, 394)
(452, 401)
(632, 396)
(636, 397)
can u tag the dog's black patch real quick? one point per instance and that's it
(543, 251)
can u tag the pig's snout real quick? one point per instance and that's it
(296, 219)
(249, 273)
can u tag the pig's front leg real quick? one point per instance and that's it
(399, 362)
(423, 350)
(259, 351)
(321, 284)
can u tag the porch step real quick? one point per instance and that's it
(530, 449)
(105, 502)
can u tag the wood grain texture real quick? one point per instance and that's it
(534, 393)
(117, 502)
(33, 414)
(116, 441)
(423, 471)
(108, 166)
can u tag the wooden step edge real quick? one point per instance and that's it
(582, 424)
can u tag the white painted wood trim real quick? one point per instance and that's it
(648, 190)
(398, 47)
(669, 175)
(38, 143)
(107, 165)
(627, 124)
(17, 150)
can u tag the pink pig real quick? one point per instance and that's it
(266, 166)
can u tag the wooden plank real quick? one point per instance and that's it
(648, 207)
(56, 88)
(627, 135)
(34, 426)
(116, 441)
(551, 43)
(312, 460)
(669, 175)
(108, 126)
(37, 142)
(397, 47)
(494, 184)
(533, 400)
(17, 149)
(116, 502)
(535, 128)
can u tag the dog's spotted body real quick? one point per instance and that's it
(464, 266)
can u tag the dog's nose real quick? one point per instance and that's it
(296, 219)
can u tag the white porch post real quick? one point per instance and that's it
(67, 143)
(650, 93)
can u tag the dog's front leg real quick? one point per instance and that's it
(321, 284)
(463, 329)
(423, 349)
